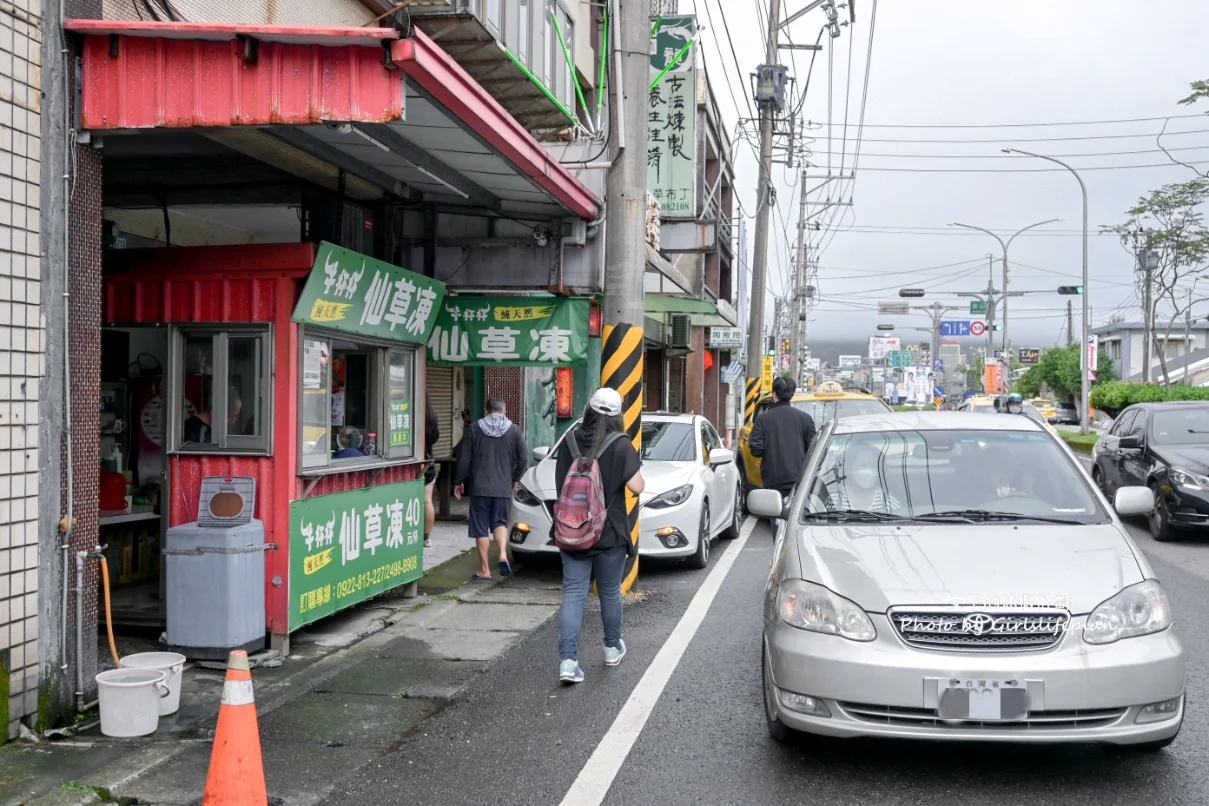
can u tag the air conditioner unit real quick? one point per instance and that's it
(682, 331)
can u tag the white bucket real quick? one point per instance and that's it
(129, 700)
(172, 663)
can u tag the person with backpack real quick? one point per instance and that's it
(781, 437)
(491, 459)
(595, 466)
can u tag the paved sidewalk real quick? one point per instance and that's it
(354, 685)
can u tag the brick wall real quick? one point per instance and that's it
(21, 355)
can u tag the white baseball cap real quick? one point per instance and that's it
(606, 401)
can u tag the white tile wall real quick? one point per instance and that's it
(20, 350)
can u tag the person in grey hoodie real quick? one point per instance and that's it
(491, 459)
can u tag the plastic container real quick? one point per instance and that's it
(129, 701)
(113, 490)
(173, 663)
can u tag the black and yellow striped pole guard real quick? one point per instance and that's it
(749, 401)
(621, 369)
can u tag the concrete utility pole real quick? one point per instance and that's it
(799, 290)
(755, 323)
(1070, 323)
(625, 240)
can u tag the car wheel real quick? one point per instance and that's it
(736, 518)
(1097, 476)
(1160, 519)
(777, 729)
(700, 557)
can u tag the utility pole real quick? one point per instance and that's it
(799, 290)
(625, 244)
(1147, 314)
(763, 210)
(1070, 323)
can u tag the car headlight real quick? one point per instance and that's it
(1188, 480)
(523, 496)
(808, 606)
(1140, 609)
(671, 498)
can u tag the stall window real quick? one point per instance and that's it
(359, 402)
(568, 87)
(550, 42)
(495, 15)
(222, 370)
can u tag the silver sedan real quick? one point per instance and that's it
(956, 576)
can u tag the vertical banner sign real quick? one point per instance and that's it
(672, 117)
(511, 331)
(786, 359)
(1093, 357)
(621, 354)
(352, 293)
(346, 547)
(766, 377)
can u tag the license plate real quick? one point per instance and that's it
(983, 699)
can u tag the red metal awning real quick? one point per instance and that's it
(204, 75)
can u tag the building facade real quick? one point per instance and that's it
(1122, 343)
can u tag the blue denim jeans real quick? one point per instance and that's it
(608, 566)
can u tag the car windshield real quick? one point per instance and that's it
(1182, 426)
(823, 410)
(1042, 402)
(1032, 414)
(950, 476)
(983, 407)
(667, 442)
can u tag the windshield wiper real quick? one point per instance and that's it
(985, 515)
(854, 515)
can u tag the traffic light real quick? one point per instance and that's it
(910, 292)
(996, 328)
(1070, 289)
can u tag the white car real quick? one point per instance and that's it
(692, 492)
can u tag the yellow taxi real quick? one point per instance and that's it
(1044, 406)
(980, 403)
(829, 401)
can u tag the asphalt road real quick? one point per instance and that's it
(521, 738)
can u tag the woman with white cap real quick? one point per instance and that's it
(619, 469)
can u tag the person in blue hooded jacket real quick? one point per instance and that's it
(491, 460)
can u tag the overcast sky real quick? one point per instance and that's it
(948, 71)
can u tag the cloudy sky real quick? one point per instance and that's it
(951, 84)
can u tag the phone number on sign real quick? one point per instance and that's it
(379, 575)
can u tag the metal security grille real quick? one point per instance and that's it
(980, 630)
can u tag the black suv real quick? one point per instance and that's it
(1163, 446)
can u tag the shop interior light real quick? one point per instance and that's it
(594, 321)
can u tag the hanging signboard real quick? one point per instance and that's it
(511, 332)
(879, 346)
(672, 117)
(349, 546)
(352, 293)
(766, 375)
(721, 338)
(1029, 356)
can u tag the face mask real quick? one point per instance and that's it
(864, 476)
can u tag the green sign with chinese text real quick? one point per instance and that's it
(352, 293)
(672, 117)
(349, 546)
(511, 331)
(978, 308)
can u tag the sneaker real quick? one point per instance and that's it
(428, 542)
(613, 655)
(570, 672)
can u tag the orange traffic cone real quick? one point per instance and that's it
(236, 776)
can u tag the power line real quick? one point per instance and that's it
(1011, 157)
(731, 43)
(1025, 125)
(1034, 170)
(1037, 139)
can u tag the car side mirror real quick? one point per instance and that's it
(721, 456)
(1133, 501)
(541, 453)
(766, 504)
(1131, 442)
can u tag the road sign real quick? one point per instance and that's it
(955, 328)
(893, 308)
(978, 308)
(1028, 356)
(977, 328)
(938, 365)
(734, 371)
(900, 358)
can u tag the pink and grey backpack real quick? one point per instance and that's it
(579, 515)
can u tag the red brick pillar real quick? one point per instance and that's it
(694, 393)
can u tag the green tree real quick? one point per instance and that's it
(1058, 369)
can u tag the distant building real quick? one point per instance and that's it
(1122, 343)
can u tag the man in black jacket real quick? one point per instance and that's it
(491, 460)
(432, 432)
(782, 436)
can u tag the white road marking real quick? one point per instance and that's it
(597, 775)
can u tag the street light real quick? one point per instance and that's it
(1005, 246)
(1085, 384)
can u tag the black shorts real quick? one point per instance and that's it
(430, 472)
(486, 514)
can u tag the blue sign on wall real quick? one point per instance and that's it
(938, 365)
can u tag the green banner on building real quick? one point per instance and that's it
(352, 293)
(346, 547)
(672, 116)
(511, 331)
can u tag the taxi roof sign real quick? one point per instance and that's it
(829, 388)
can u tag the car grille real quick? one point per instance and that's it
(979, 630)
(1037, 720)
